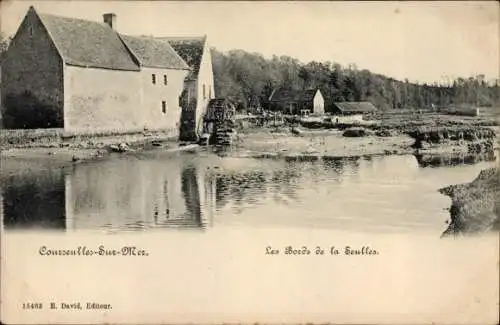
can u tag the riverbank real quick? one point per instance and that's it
(55, 145)
(392, 133)
(15, 160)
(290, 142)
(285, 142)
(475, 206)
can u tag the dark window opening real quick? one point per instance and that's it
(204, 92)
(153, 78)
(164, 107)
(165, 80)
(209, 92)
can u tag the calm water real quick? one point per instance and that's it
(202, 191)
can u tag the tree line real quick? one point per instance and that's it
(248, 79)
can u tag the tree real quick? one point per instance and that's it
(249, 79)
(4, 43)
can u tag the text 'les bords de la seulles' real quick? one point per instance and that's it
(99, 251)
(318, 250)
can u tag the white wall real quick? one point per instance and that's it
(347, 118)
(101, 100)
(318, 103)
(205, 77)
(154, 94)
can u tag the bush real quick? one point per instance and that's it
(355, 132)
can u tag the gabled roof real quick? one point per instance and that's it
(355, 107)
(87, 43)
(190, 49)
(282, 95)
(152, 52)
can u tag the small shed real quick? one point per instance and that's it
(295, 102)
(353, 108)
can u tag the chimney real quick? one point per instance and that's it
(110, 19)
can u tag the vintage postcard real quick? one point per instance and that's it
(276, 162)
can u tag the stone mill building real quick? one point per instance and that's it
(87, 78)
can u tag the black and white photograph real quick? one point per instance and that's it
(217, 162)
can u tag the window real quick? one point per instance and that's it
(209, 92)
(164, 107)
(204, 92)
(30, 31)
(165, 81)
(153, 79)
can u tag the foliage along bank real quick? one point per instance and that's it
(248, 79)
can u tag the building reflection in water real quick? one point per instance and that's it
(121, 194)
(33, 200)
(131, 193)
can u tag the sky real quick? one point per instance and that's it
(422, 41)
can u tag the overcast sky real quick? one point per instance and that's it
(422, 41)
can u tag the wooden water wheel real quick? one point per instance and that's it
(219, 122)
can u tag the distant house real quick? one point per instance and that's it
(460, 110)
(199, 84)
(353, 108)
(85, 77)
(301, 102)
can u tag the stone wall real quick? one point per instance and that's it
(32, 79)
(30, 137)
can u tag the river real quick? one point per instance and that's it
(202, 191)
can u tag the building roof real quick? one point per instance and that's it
(88, 43)
(355, 107)
(282, 95)
(152, 52)
(190, 49)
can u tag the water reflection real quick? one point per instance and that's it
(114, 195)
(250, 187)
(188, 191)
(454, 159)
(34, 200)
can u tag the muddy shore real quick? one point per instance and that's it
(284, 142)
(288, 142)
(475, 206)
(16, 159)
(425, 134)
